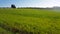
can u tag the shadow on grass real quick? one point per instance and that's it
(13, 30)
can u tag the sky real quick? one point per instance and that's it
(30, 3)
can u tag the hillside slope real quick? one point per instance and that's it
(30, 21)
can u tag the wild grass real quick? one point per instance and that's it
(30, 21)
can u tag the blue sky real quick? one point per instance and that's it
(30, 3)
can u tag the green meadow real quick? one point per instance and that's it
(29, 21)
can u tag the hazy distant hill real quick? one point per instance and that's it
(56, 7)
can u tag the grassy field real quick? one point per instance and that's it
(29, 21)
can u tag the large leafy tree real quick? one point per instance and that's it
(13, 6)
